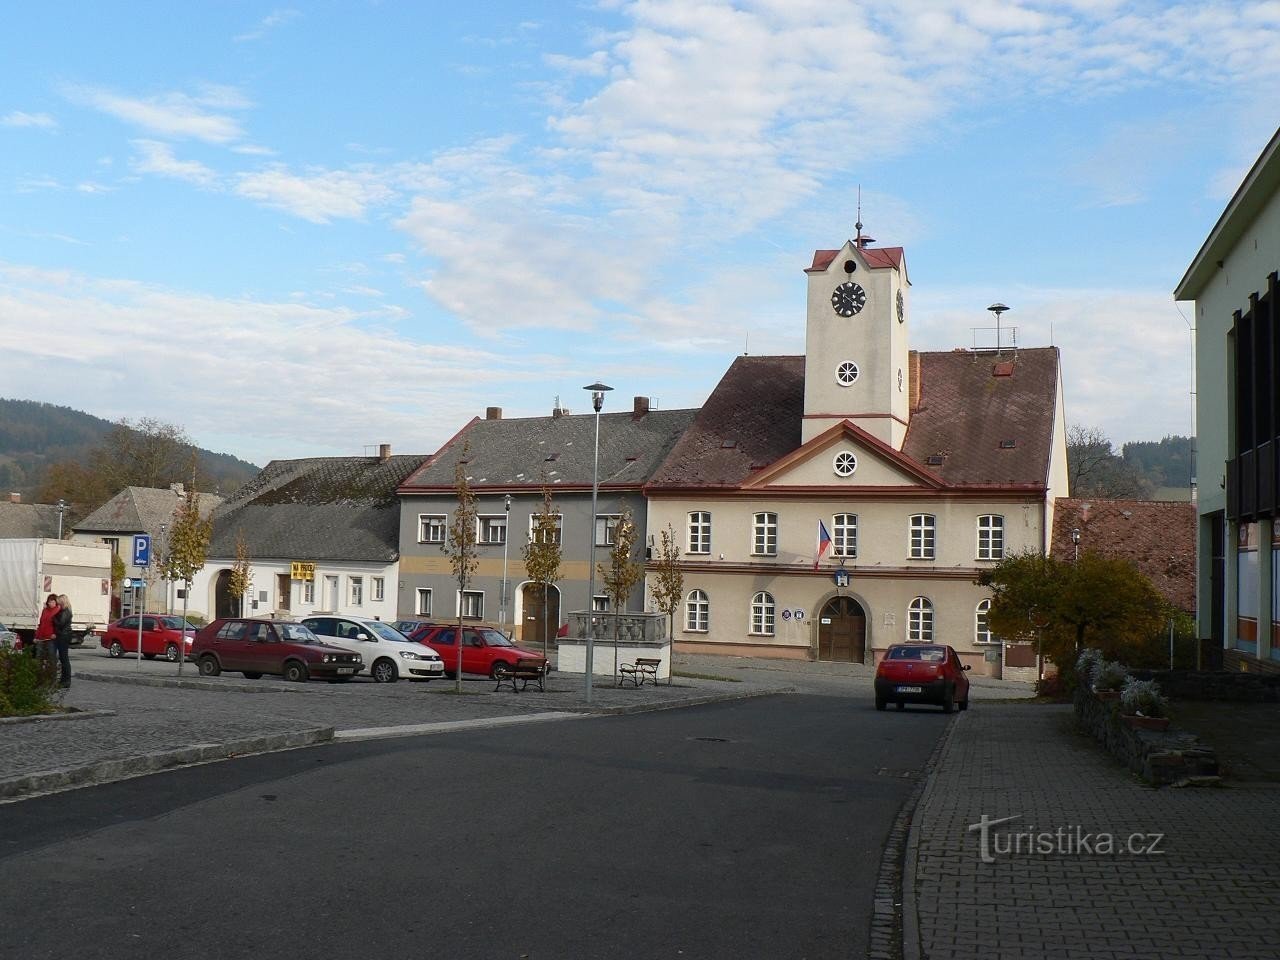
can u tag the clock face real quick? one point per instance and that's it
(848, 299)
(902, 311)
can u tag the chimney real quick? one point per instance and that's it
(639, 407)
(384, 452)
(179, 489)
(15, 497)
(493, 413)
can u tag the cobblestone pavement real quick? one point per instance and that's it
(1213, 890)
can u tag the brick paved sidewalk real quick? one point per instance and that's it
(1213, 892)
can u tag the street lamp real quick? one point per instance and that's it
(168, 606)
(62, 508)
(1075, 544)
(506, 538)
(598, 391)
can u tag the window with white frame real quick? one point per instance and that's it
(423, 607)
(991, 537)
(764, 535)
(378, 587)
(923, 536)
(357, 591)
(600, 603)
(308, 591)
(762, 613)
(920, 620)
(555, 535)
(697, 610)
(472, 604)
(700, 531)
(844, 535)
(114, 544)
(982, 629)
(607, 529)
(844, 463)
(431, 527)
(491, 528)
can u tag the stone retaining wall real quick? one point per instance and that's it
(1225, 685)
(1159, 757)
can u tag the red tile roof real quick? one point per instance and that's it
(963, 415)
(1158, 536)
(877, 258)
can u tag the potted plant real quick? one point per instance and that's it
(1108, 678)
(1143, 706)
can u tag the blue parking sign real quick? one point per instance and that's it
(141, 550)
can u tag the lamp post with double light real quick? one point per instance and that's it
(598, 391)
(506, 539)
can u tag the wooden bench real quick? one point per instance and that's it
(643, 669)
(525, 671)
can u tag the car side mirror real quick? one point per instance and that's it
(363, 636)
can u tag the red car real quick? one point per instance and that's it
(280, 647)
(161, 636)
(922, 673)
(485, 651)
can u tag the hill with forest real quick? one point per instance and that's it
(35, 437)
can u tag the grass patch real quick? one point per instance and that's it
(704, 676)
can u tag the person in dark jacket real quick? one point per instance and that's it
(62, 637)
(44, 628)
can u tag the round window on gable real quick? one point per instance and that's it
(844, 463)
(846, 373)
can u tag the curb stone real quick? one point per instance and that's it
(895, 925)
(193, 683)
(42, 717)
(50, 781)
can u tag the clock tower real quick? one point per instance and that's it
(856, 351)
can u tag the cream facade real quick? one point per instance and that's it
(345, 588)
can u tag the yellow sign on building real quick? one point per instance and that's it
(302, 570)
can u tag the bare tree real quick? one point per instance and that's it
(241, 578)
(188, 549)
(460, 547)
(1095, 470)
(668, 583)
(542, 558)
(621, 576)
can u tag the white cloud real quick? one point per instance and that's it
(155, 157)
(20, 119)
(268, 23)
(268, 368)
(177, 115)
(320, 196)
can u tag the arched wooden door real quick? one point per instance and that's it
(541, 617)
(224, 605)
(842, 631)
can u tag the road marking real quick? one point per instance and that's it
(448, 726)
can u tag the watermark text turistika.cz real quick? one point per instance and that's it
(1072, 841)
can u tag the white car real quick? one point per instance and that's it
(388, 653)
(7, 637)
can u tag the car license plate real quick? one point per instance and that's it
(910, 689)
(346, 669)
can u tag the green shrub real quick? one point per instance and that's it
(1109, 675)
(27, 684)
(1143, 698)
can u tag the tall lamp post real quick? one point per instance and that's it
(62, 508)
(168, 607)
(1075, 544)
(506, 539)
(598, 391)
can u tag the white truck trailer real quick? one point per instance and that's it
(30, 570)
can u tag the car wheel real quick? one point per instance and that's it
(963, 704)
(209, 666)
(948, 700)
(296, 672)
(500, 670)
(880, 704)
(384, 671)
(116, 649)
(252, 675)
(171, 652)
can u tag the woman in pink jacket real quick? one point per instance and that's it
(44, 629)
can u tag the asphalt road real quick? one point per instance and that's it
(748, 829)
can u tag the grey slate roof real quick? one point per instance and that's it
(753, 418)
(142, 510)
(521, 452)
(22, 521)
(317, 509)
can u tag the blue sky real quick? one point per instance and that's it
(305, 230)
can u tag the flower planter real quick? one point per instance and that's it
(1146, 723)
(1107, 694)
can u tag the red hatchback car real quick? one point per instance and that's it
(161, 636)
(279, 647)
(485, 651)
(922, 673)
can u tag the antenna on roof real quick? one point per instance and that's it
(746, 346)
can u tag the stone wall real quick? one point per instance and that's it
(1159, 757)
(1215, 685)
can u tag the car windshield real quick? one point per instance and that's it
(493, 638)
(931, 654)
(176, 623)
(385, 631)
(296, 633)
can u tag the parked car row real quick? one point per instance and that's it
(160, 635)
(339, 648)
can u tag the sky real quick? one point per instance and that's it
(305, 230)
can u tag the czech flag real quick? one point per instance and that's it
(824, 544)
